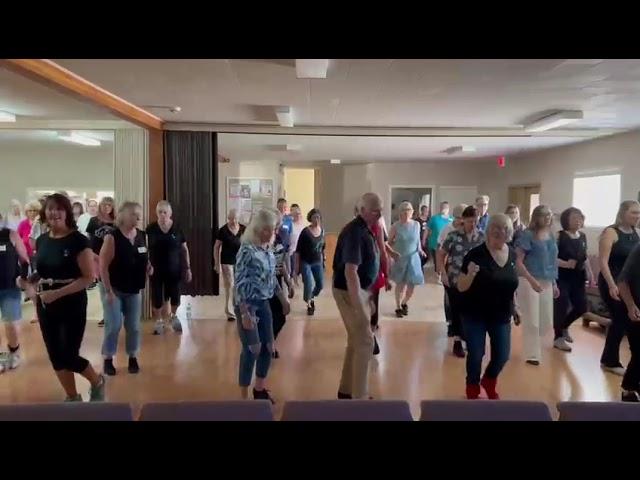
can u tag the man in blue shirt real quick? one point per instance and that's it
(482, 204)
(287, 223)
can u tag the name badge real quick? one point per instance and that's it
(142, 249)
(3, 248)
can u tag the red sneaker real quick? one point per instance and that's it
(473, 392)
(489, 385)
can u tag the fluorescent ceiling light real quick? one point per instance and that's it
(74, 137)
(285, 116)
(312, 68)
(458, 149)
(293, 148)
(7, 116)
(335, 161)
(555, 120)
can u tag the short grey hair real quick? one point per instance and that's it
(405, 206)
(501, 220)
(265, 217)
(368, 199)
(484, 198)
(458, 209)
(165, 204)
(124, 209)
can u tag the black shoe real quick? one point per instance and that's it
(533, 362)
(399, 313)
(101, 323)
(344, 396)
(376, 347)
(275, 354)
(458, 349)
(450, 331)
(310, 310)
(405, 309)
(263, 395)
(313, 305)
(108, 367)
(133, 365)
(231, 319)
(630, 396)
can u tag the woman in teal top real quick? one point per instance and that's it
(406, 271)
(436, 224)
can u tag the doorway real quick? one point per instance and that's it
(417, 195)
(299, 187)
(527, 197)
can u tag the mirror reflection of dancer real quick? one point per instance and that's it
(65, 270)
(224, 255)
(169, 256)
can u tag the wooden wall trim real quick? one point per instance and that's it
(50, 73)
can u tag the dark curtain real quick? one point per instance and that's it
(191, 179)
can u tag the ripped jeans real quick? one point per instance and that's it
(257, 343)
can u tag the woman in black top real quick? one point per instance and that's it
(487, 284)
(573, 272)
(97, 228)
(310, 259)
(616, 242)
(224, 256)
(65, 270)
(124, 266)
(629, 286)
(169, 256)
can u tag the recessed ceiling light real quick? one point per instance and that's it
(285, 116)
(7, 116)
(312, 68)
(554, 120)
(74, 137)
(335, 161)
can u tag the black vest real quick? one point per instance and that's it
(9, 267)
(128, 269)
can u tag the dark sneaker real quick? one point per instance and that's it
(533, 361)
(344, 396)
(108, 367)
(630, 396)
(458, 349)
(275, 354)
(399, 313)
(405, 309)
(101, 323)
(133, 365)
(263, 395)
(376, 347)
(310, 310)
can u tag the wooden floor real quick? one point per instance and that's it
(415, 363)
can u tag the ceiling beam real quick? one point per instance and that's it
(51, 74)
(389, 131)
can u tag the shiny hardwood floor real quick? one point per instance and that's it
(415, 363)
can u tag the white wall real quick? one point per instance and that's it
(248, 168)
(554, 169)
(55, 166)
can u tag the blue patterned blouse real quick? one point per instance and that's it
(254, 276)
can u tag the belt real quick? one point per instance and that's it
(50, 283)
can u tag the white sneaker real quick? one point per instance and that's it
(561, 344)
(4, 359)
(175, 324)
(13, 361)
(158, 329)
(619, 370)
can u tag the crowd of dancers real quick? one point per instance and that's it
(495, 269)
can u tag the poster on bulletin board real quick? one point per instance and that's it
(247, 195)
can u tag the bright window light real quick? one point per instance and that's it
(598, 197)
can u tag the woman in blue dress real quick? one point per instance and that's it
(406, 271)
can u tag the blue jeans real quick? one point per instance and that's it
(257, 343)
(11, 305)
(312, 279)
(126, 308)
(475, 331)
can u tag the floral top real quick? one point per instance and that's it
(254, 276)
(457, 245)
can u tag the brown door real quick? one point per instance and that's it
(527, 197)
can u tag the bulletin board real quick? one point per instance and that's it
(248, 195)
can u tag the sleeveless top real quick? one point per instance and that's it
(572, 249)
(621, 249)
(128, 269)
(9, 269)
(407, 238)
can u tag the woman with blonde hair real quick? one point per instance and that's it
(255, 284)
(97, 228)
(124, 266)
(513, 212)
(406, 271)
(14, 216)
(537, 254)
(616, 243)
(224, 255)
(169, 256)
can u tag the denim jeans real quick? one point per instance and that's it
(312, 279)
(257, 343)
(126, 308)
(476, 330)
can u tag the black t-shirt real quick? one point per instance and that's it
(57, 258)
(128, 269)
(423, 226)
(356, 245)
(572, 249)
(230, 244)
(97, 229)
(310, 247)
(490, 297)
(165, 249)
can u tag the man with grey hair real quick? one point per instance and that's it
(355, 269)
(482, 204)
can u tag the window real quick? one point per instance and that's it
(598, 198)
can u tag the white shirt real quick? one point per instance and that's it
(83, 223)
(295, 234)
